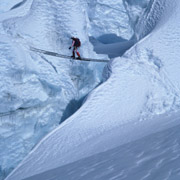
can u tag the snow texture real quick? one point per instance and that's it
(37, 91)
(140, 85)
(108, 17)
(155, 156)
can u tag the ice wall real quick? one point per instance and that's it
(149, 18)
(118, 20)
(135, 10)
(112, 16)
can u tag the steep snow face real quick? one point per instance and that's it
(153, 157)
(37, 91)
(149, 19)
(141, 84)
(160, 50)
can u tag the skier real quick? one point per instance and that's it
(75, 44)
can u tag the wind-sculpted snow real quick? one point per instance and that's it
(155, 156)
(143, 83)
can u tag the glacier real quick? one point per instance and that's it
(39, 92)
(138, 87)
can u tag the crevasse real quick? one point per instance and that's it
(39, 92)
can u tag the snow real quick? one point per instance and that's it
(135, 10)
(111, 15)
(138, 87)
(165, 43)
(126, 127)
(37, 91)
(7, 6)
(155, 156)
(114, 49)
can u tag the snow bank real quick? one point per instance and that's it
(141, 84)
(162, 45)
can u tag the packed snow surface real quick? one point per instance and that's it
(155, 156)
(139, 86)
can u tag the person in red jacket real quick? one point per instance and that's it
(76, 43)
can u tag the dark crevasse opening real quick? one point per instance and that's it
(18, 4)
(71, 108)
(115, 42)
(111, 44)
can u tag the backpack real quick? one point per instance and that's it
(77, 42)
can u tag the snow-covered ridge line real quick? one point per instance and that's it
(150, 18)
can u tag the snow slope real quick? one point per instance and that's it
(155, 156)
(140, 85)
